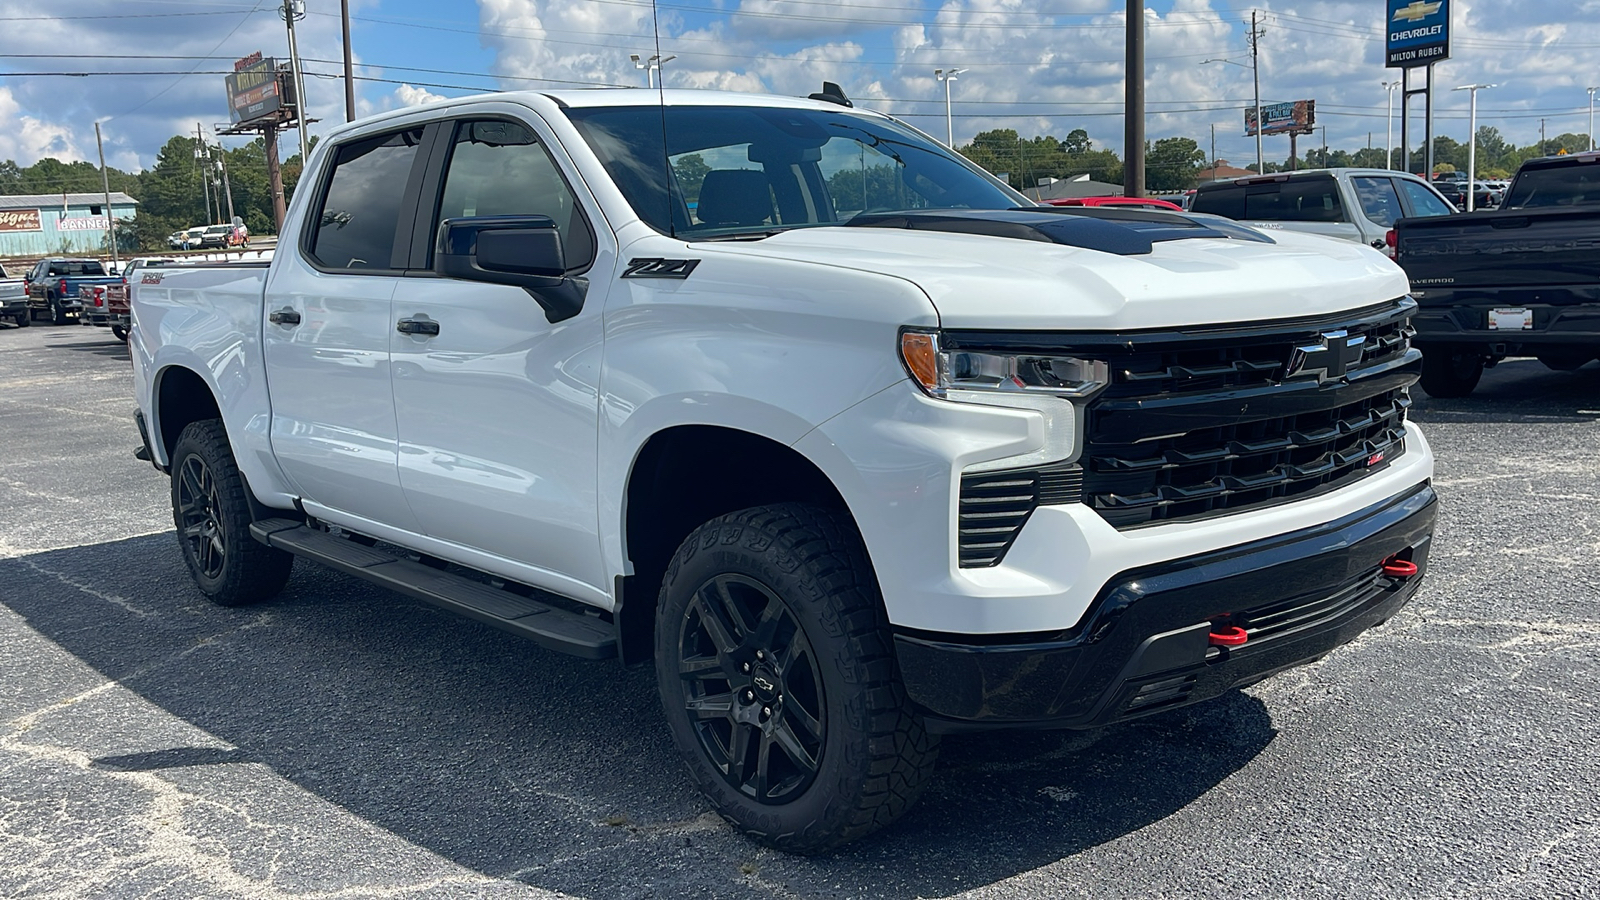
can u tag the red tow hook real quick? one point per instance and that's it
(1231, 636)
(1394, 567)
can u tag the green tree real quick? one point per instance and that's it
(1173, 164)
(690, 171)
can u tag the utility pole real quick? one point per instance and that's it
(1255, 74)
(1542, 151)
(227, 187)
(105, 185)
(1133, 114)
(947, 76)
(202, 163)
(349, 69)
(1390, 86)
(1213, 151)
(1472, 140)
(291, 12)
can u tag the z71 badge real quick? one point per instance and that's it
(655, 267)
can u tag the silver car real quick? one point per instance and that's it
(1351, 204)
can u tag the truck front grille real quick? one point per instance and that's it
(1193, 426)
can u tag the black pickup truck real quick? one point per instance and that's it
(1522, 280)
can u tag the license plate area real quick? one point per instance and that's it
(1511, 318)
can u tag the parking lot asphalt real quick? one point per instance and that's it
(342, 742)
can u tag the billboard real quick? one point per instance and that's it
(1297, 117)
(1419, 33)
(254, 90)
(20, 220)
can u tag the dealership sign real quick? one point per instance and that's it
(1419, 32)
(1297, 117)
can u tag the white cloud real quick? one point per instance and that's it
(415, 96)
(26, 139)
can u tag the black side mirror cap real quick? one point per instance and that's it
(523, 251)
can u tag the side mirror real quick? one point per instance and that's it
(523, 251)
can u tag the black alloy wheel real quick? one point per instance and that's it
(200, 523)
(752, 688)
(776, 668)
(211, 512)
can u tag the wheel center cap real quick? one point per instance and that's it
(765, 683)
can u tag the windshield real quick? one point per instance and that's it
(744, 170)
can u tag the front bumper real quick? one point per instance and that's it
(1145, 644)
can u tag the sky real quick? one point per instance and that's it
(1037, 66)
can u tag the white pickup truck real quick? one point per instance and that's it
(851, 441)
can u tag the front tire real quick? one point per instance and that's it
(120, 333)
(1450, 370)
(777, 673)
(212, 515)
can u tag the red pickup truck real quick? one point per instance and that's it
(107, 304)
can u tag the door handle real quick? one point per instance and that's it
(285, 316)
(420, 325)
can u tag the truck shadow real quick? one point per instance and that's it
(524, 764)
(111, 349)
(1516, 391)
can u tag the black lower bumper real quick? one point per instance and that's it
(1146, 643)
(1563, 317)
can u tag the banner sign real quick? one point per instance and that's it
(1419, 32)
(20, 220)
(82, 223)
(1283, 118)
(253, 90)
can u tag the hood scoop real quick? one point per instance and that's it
(1124, 232)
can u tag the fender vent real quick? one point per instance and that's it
(995, 505)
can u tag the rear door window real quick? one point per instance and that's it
(1223, 201)
(1309, 200)
(1424, 202)
(354, 228)
(1379, 201)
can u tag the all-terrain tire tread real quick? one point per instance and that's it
(255, 572)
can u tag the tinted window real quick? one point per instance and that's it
(1424, 202)
(76, 268)
(1379, 202)
(1576, 185)
(499, 169)
(743, 169)
(355, 227)
(1223, 201)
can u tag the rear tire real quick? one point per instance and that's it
(25, 318)
(211, 512)
(777, 673)
(58, 315)
(1451, 370)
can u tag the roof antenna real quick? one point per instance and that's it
(830, 93)
(666, 158)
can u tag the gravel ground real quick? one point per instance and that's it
(342, 742)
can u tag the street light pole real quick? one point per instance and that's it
(947, 76)
(293, 11)
(1388, 161)
(1472, 140)
(1255, 75)
(650, 66)
(1591, 116)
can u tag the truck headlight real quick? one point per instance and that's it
(1043, 383)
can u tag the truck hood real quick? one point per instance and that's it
(981, 281)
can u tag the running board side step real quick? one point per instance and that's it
(548, 626)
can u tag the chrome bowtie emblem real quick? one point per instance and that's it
(763, 684)
(1327, 360)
